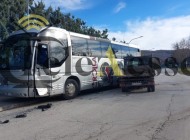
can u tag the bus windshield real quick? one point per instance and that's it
(16, 53)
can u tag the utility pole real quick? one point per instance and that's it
(134, 39)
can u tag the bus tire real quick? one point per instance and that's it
(71, 89)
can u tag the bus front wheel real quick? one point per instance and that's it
(71, 89)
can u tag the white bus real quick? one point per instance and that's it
(54, 61)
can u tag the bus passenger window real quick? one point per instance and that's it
(94, 49)
(104, 47)
(79, 46)
(116, 50)
(125, 51)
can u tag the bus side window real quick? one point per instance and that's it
(94, 48)
(79, 46)
(116, 50)
(104, 47)
(125, 51)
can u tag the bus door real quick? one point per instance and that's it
(42, 71)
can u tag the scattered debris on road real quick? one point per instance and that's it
(44, 107)
(21, 116)
(4, 122)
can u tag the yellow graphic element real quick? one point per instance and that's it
(33, 21)
(114, 64)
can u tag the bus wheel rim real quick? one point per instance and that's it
(71, 88)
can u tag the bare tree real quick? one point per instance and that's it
(182, 49)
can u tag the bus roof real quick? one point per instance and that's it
(37, 31)
(77, 35)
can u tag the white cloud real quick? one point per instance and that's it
(119, 7)
(67, 5)
(158, 33)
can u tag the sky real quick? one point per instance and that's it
(160, 22)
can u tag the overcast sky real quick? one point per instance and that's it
(160, 22)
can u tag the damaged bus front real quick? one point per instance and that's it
(28, 62)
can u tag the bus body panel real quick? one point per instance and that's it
(90, 71)
(14, 83)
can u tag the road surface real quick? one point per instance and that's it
(108, 115)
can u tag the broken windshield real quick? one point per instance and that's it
(16, 53)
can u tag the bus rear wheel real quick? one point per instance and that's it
(71, 89)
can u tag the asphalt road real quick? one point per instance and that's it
(7, 103)
(108, 115)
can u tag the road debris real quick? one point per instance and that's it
(44, 107)
(21, 116)
(4, 122)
